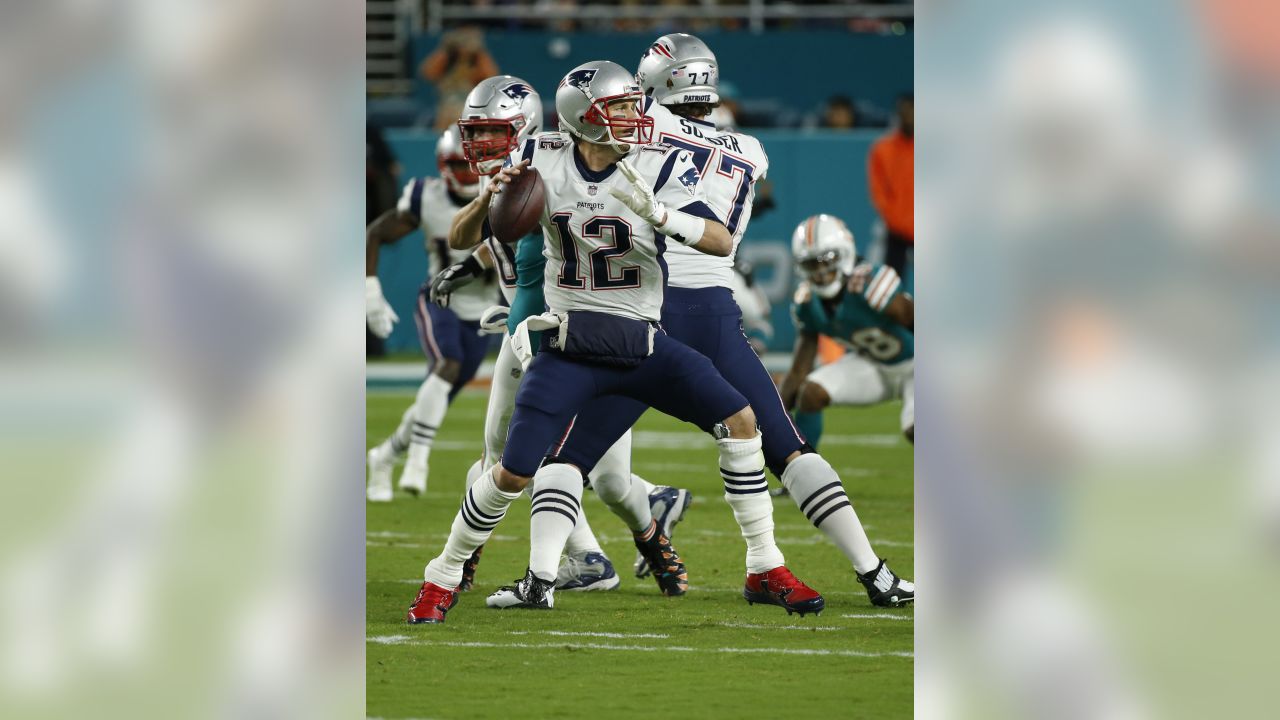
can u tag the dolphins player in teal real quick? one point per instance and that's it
(862, 306)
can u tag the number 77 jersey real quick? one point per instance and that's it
(600, 255)
(730, 164)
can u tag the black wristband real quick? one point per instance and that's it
(472, 265)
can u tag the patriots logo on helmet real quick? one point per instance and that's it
(579, 78)
(662, 50)
(690, 178)
(517, 91)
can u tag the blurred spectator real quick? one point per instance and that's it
(839, 113)
(454, 68)
(891, 176)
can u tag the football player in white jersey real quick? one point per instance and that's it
(499, 113)
(613, 203)
(451, 338)
(679, 75)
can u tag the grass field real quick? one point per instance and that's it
(631, 652)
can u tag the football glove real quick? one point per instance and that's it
(450, 279)
(638, 196)
(377, 311)
(684, 228)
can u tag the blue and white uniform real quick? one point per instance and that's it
(451, 333)
(881, 364)
(699, 308)
(604, 260)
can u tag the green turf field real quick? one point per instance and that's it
(631, 652)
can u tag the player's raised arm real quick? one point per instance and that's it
(700, 231)
(466, 230)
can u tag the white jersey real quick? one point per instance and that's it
(428, 200)
(731, 164)
(600, 255)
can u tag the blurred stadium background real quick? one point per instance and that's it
(818, 83)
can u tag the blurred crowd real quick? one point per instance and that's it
(462, 59)
(691, 23)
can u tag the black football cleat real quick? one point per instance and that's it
(885, 589)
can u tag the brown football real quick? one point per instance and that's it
(516, 210)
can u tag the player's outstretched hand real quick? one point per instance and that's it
(448, 280)
(503, 177)
(639, 197)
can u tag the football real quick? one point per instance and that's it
(516, 210)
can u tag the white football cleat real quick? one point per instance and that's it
(530, 592)
(380, 462)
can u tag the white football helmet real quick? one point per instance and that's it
(823, 248)
(503, 103)
(679, 68)
(599, 102)
(461, 179)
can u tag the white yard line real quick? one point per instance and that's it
(564, 633)
(878, 616)
(750, 626)
(402, 640)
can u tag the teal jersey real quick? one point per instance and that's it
(529, 266)
(857, 318)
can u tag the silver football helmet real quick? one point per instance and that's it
(822, 245)
(459, 176)
(679, 68)
(599, 102)
(497, 116)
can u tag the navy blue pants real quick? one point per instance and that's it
(709, 322)
(444, 336)
(674, 380)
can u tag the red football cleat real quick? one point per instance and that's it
(779, 587)
(432, 603)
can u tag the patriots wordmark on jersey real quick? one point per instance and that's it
(600, 255)
(729, 164)
(428, 200)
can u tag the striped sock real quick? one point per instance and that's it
(483, 507)
(557, 498)
(817, 491)
(428, 412)
(582, 539)
(747, 492)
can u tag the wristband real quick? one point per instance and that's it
(372, 287)
(472, 266)
(684, 228)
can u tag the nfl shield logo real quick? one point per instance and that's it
(591, 190)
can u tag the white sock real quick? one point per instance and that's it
(816, 489)
(399, 440)
(582, 540)
(483, 507)
(473, 473)
(557, 497)
(626, 497)
(648, 486)
(747, 492)
(428, 412)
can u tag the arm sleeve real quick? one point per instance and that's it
(411, 199)
(882, 286)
